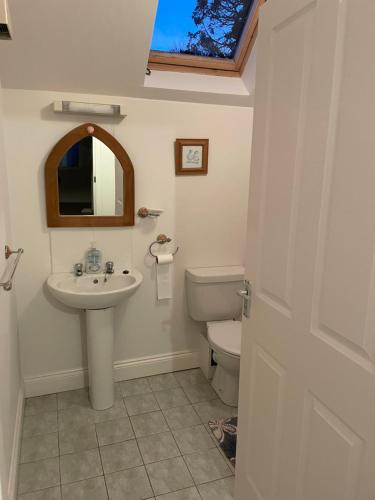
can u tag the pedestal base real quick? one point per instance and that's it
(100, 337)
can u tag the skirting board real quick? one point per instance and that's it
(123, 370)
(13, 471)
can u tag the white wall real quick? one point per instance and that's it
(205, 216)
(11, 387)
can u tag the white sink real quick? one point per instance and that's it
(98, 297)
(90, 291)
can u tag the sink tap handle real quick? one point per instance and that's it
(109, 269)
(78, 269)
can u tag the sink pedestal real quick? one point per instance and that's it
(100, 337)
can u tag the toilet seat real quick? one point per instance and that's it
(225, 336)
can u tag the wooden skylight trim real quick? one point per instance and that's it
(171, 61)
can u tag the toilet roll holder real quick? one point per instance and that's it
(162, 239)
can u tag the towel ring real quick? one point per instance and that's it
(162, 239)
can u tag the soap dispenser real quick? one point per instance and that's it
(93, 260)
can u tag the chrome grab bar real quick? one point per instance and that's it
(7, 285)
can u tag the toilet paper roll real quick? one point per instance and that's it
(164, 276)
(164, 259)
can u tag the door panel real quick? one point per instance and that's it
(344, 289)
(307, 389)
(287, 99)
(268, 397)
(324, 433)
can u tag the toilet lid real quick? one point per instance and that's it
(225, 336)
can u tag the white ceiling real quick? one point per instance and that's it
(90, 46)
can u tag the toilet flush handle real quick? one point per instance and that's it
(246, 298)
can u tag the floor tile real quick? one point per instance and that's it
(134, 387)
(190, 377)
(40, 404)
(47, 494)
(38, 447)
(114, 431)
(118, 390)
(38, 475)
(120, 456)
(180, 417)
(223, 489)
(81, 416)
(68, 399)
(79, 466)
(158, 447)
(171, 398)
(117, 411)
(193, 439)
(149, 423)
(188, 494)
(75, 417)
(215, 409)
(43, 423)
(199, 393)
(163, 382)
(75, 439)
(132, 484)
(90, 489)
(141, 403)
(169, 475)
(207, 466)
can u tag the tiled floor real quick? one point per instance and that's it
(153, 444)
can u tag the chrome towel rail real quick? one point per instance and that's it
(7, 285)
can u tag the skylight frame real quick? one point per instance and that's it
(171, 61)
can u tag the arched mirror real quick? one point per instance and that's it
(89, 180)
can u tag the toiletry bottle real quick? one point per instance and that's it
(93, 260)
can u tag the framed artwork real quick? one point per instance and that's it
(191, 156)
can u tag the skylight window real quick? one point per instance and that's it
(209, 28)
(205, 34)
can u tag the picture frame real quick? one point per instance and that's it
(191, 156)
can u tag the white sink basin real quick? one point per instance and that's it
(90, 291)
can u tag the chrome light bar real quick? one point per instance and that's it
(88, 108)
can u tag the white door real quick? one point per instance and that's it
(307, 396)
(11, 393)
(104, 178)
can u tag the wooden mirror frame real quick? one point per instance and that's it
(54, 218)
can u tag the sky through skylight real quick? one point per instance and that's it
(173, 22)
(210, 28)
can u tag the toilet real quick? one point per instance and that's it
(212, 298)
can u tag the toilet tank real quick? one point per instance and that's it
(211, 292)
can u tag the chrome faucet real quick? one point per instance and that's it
(109, 269)
(78, 269)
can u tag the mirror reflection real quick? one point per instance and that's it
(90, 180)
